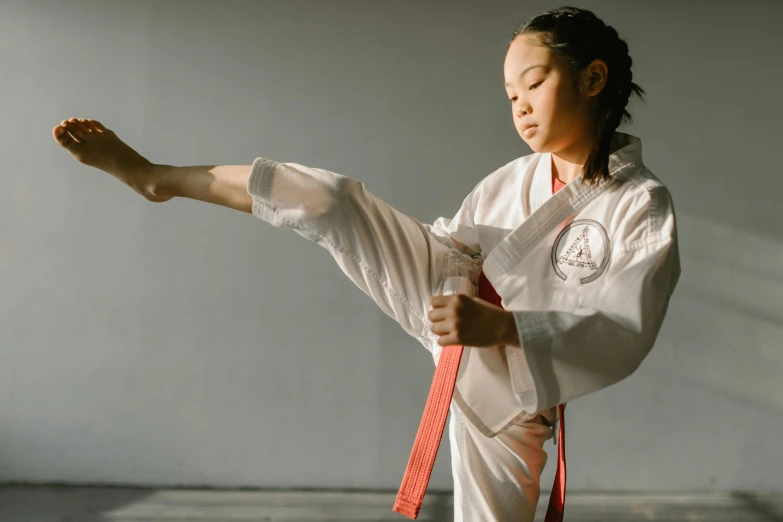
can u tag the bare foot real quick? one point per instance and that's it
(96, 146)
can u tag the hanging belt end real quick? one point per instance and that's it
(406, 508)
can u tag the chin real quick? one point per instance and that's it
(534, 144)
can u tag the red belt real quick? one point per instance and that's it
(425, 447)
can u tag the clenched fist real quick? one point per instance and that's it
(459, 319)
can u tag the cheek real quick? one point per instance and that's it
(564, 100)
(549, 101)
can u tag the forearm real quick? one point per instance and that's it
(224, 185)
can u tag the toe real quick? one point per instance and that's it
(75, 131)
(59, 133)
(91, 126)
(81, 125)
(98, 126)
(62, 137)
(74, 126)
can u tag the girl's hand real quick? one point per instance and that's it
(470, 321)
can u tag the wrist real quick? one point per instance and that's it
(510, 334)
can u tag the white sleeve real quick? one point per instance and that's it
(565, 355)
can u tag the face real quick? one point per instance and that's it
(541, 92)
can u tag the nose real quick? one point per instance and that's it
(520, 109)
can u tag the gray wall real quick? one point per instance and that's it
(188, 344)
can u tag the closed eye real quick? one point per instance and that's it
(512, 100)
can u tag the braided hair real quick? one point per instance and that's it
(578, 36)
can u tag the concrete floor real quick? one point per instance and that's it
(80, 504)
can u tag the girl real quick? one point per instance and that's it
(578, 240)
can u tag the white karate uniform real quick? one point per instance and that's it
(587, 273)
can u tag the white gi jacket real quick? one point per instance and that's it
(587, 272)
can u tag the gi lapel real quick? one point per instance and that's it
(546, 211)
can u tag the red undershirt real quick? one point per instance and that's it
(556, 184)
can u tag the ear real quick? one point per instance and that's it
(594, 77)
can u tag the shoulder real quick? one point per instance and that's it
(512, 172)
(645, 210)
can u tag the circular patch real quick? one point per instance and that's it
(581, 250)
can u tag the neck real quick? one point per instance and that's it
(568, 164)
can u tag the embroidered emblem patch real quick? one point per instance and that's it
(581, 250)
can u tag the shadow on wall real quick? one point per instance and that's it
(704, 412)
(729, 339)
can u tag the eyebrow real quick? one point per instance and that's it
(525, 71)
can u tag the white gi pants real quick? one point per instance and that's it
(392, 258)
(496, 479)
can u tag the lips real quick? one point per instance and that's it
(527, 126)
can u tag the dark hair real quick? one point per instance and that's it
(578, 36)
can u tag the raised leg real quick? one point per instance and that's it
(391, 257)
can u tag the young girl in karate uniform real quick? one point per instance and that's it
(578, 239)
